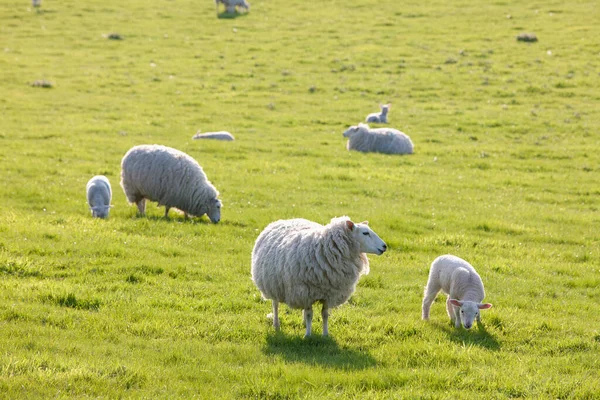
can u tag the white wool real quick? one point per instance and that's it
(299, 262)
(459, 280)
(99, 195)
(221, 135)
(169, 177)
(380, 117)
(381, 140)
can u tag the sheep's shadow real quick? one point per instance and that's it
(175, 219)
(231, 15)
(478, 336)
(316, 350)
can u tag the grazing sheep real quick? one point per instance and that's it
(171, 178)
(221, 135)
(36, 3)
(231, 5)
(380, 117)
(299, 263)
(381, 140)
(459, 280)
(99, 195)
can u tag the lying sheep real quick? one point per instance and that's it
(299, 263)
(99, 195)
(381, 140)
(459, 280)
(380, 117)
(221, 135)
(171, 178)
(231, 5)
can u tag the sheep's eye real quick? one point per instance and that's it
(462, 312)
(366, 233)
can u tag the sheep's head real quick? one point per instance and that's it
(469, 311)
(353, 130)
(100, 211)
(214, 211)
(385, 108)
(368, 240)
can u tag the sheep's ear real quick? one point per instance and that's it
(365, 222)
(350, 225)
(456, 303)
(484, 306)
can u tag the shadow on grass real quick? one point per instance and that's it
(175, 218)
(229, 15)
(316, 350)
(478, 336)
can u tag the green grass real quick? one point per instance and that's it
(505, 175)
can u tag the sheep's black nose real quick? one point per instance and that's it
(385, 246)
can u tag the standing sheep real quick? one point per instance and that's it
(380, 117)
(299, 263)
(171, 178)
(381, 140)
(459, 280)
(231, 5)
(99, 195)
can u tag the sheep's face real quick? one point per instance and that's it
(214, 211)
(469, 311)
(100, 211)
(368, 240)
(385, 108)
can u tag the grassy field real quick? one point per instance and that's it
(505, 174)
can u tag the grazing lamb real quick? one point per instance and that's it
(231, 5)
(99, 195)
(381, 140)
(380, 117)
(299, 263)
(221, 135)
(459, 280)
(171, 178)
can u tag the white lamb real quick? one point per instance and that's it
(459, 280)
(221, 135)
(381, 140)
(380, 117)
(99, 195)
(299, 263)
(231, 5)
(171, 178)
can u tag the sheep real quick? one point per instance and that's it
(463, 285)
(171, 178)
(221, 135)
(36, 3)
(380, 117)
(99, 195)
(299, 263)
(231, 5)
(381, 140)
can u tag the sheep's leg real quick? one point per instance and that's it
(428, 299)
(453, 312)
(325, 315)
(141, 205)
(308, 315)
(276, 323)
(167, 208)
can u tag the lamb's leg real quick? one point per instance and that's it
(141, 205)
(167, 208)
(453, 313)
(276, 315)
(308, 315)
(325, 315)
(430, 292)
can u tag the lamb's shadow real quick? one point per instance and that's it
(477, 336)
(180, 219)
(316, 350)
(231, 15)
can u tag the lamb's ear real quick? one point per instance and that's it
(365, 223)
(456, 303)
(484, 306)
(350, 225)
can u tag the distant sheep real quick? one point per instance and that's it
(299, 263)
(381, 140)
(380, 117)
(221, 135)
(171, 178)
(36, 3)
(459, 280)
(231, 5)
(99, 195)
